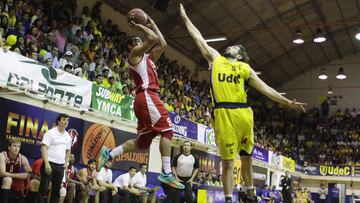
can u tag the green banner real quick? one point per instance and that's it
(113, 103)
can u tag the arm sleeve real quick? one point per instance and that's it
(70, 142)
(45, 140)
(99, 176)
(110, 177)
(127, 180)
(174, 161)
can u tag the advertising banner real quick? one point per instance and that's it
(260, 154)
(29, 123)
(214, 195)
(19, 72)
(309, 170)
(97, 136)
(335, 170)
(357, 171)
(112, 103)
(275, 159)
(184, 127)
(206, 135)
(209, 163)
(288, 164)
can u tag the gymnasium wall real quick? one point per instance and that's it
(314, 185)
(310, 89)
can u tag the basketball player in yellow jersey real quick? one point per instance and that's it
(233, 119)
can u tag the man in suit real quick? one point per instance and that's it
(286, 184)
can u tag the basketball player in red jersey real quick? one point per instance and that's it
(150, 111)
(10, 163)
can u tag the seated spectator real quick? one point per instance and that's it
(218, 181)
(11, 161)
(199, 180)
(104, 178)
(265, 194)
(139, 182)
(275, 195)
(126, 190)
(68, 186)
(88, 177)
(209, 180)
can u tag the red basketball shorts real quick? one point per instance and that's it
(152, 116)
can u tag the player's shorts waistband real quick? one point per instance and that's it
(230, 105)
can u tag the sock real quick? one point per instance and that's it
(228, 198)
(5, 195)
(116, 151)
(166, 164)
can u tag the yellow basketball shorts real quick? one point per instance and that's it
(233, 131)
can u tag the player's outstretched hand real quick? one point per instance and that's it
(137, 26)
(150, 24)
(297, 105)
(182, 11)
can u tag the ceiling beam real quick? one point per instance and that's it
(273, 35)
(292, 31)
(247, 32)
(295, 49)
(297, 7)
(326, 27)
(346, 27)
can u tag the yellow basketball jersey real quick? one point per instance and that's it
(229, 80)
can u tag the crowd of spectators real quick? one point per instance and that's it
(311, 138)
(91, 48)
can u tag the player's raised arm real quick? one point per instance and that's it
(150, 40)
(268, 91)
(208, 52)
(161, 44)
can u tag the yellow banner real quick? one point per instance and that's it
(202, 196)
(288, 164)
(335, 170)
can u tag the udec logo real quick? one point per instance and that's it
(222, 77)
(335, 170)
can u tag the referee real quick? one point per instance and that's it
(185, 167)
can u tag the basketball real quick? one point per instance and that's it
(138, 16)
(95, 137)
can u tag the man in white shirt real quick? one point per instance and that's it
(104, 178)
(55, 151)
(139, 182)
(125, 187)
